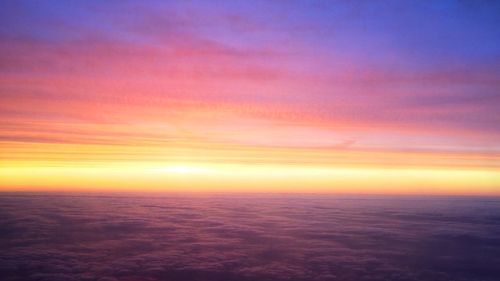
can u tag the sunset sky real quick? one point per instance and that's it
(267, 96)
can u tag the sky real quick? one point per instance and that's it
(250, 96)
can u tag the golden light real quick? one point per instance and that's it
(153, 176)
(183, 169)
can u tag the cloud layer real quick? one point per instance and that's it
(247, 237)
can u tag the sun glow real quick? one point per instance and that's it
(183, 169)
(150, 176)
